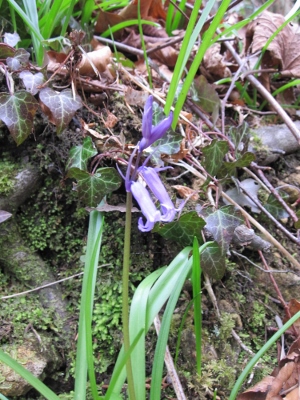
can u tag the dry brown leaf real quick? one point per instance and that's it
(294, 394)
(186, 192)
(278, 383)
(98, 59)
(135, 97)
(214, 62)
(130, 11)
(294, 307)
(283, 52)
(107, 19)
(167, 55)
(257, 392)
(111, 120)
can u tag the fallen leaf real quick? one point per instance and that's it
(283, 51)
(214, 62)
(258, 391)
(95, 61)
(186, 192)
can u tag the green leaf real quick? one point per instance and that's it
(240, 136)
(79, 155)
(213, 261)
(59, 107)
(205, 95)
(93, 187)
(274, 207)
(214, 154)
(222, 223)
(17, 112)
(245, 160)
(183, 230)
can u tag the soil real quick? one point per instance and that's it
(247, 300)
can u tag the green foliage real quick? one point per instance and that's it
(7, 174)
(17, 112)
(17, 313)
(52, 222)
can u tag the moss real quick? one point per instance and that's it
(7, 176)
(52, 223)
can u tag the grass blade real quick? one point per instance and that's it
(196, 283)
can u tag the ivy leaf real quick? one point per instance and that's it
(213, 261)
(20, 57)
(93, 187)
(4, 215)
(205, 95)
(17, 112)
(214, 154)
(240, 136)
(183, 230)
(59, 107)
(222, 223)
(274, 207)
(11, 38)
(79, 155)
(6, 51)
(32, 81)
(244, 161)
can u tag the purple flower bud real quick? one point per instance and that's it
(147, 206)
(152, 133)
(152, 179)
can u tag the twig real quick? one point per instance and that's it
(270, 216)
(171, 367)
(47, 285)
(268, 236)
(263, 91)
(274, 192)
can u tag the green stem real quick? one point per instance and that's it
(125, 305)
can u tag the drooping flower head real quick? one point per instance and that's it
(150, 132)
(167, 211)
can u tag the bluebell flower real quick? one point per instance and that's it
(152, 214)
(155, 184)
(152, 133)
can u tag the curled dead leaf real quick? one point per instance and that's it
(283, 52)
(95, 61)
(186, 192)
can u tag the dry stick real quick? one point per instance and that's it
(270, 216)
(263, 91)
(171, 367)
(47, 285)
(270, 238)
(282, 301)
(274, 192)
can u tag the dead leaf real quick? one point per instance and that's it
(294, 394)
(278, 383)
(294, 307)
(94, 61)
(186, 192)
(283, 52)
(107, 19)
(135, 97)
(214, 62)
(258, 392)
(111, 120)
